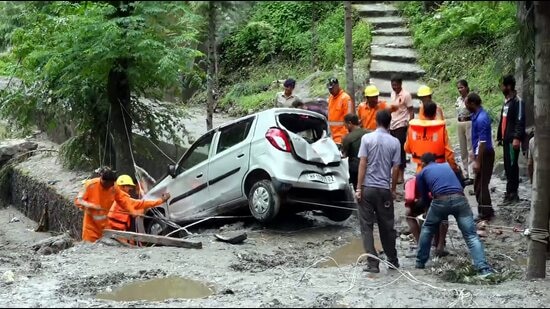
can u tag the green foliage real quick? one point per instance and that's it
(67, 51)
(285, 29)
(465, 40)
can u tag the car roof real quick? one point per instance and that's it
(272, 111)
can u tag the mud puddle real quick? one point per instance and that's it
(159, 289)
(350, 252)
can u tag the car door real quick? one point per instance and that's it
(190, 194)
(229, 162)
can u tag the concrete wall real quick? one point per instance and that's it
(34, 197)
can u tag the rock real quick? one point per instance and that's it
(144, 256)
(53, 245)
(14, 219)
(8, 277)
(228, 292)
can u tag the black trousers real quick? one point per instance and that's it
(481, 184)
(401, 135)
(376, 205)
(511, 168)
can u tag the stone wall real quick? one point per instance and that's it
(36, 198)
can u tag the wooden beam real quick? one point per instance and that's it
(154, 239)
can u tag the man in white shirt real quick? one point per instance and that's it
(286, 98)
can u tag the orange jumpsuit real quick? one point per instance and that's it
(449, 153)
(124, 207)
(338, 107)
(96, 201)
(367, 115)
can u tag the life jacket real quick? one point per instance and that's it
(119, 219)
(426, 136)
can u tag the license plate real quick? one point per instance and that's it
(320, 178)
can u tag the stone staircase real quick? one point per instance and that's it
(392, 49)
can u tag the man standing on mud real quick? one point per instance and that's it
(339, 105)
(351, 145)
(510, 133)
(380, 156)
(96, 199)
(401, 102)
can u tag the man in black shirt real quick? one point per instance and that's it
(351, 144)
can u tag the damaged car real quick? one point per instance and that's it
(278, 160)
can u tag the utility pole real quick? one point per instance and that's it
(348, 24)
(540, 208)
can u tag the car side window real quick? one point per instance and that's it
(198, 153)
(234, 134)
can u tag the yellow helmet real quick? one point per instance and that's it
(424, 91)
(371, 91)
(124, 180)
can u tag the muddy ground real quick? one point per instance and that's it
(277, 266)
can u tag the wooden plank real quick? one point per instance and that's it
(154, 239)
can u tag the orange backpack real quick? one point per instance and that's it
(427, 136)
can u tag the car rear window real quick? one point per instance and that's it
(308, 127)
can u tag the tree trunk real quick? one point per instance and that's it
(540, 210)
(118, 93)
(349, 50)
(211, 74)
(524, 62)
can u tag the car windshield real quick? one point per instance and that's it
(310, 128)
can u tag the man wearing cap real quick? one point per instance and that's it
(286, 98)
(367, 110)
(425, 95)
(339, 105)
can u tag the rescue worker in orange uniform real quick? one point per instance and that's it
(425, 95)
(367, 110)
(339, 105)
(125, 207)
(428, 135)
(95, 199)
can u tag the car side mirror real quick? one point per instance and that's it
(172, 170)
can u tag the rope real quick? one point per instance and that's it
(150, 141)
(106, 138)
(128, 136)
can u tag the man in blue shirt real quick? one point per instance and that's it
(448, 199)
(484, 155)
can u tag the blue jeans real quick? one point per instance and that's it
(439, 210)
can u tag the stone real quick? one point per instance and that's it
(14, 219)
(375, 9)
(386, 69)
(8, 277)
(392, 41)
(394, 54)
(385, 21)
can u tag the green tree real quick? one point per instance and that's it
(94, 61)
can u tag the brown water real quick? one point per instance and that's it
(350, 252)
(158, 290)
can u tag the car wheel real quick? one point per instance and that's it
(264, 202)
(156, 227)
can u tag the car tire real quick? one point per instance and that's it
(158, 227)
(263, 201)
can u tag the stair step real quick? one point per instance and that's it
(393, 41)
(405, 55)
(400, 31)
(385, 69)
(375, 10)
(384, 86)
(386, 22)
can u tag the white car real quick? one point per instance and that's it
(277, 160)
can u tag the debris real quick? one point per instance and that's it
(53, 182)
(232, 238)
(53, 245)
(43, 224)
(8, 277)
(228, 292)
(153, 239)
(144, 256)
(14, 219)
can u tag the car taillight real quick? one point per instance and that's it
(278, 139)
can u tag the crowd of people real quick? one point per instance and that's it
(376, 137)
